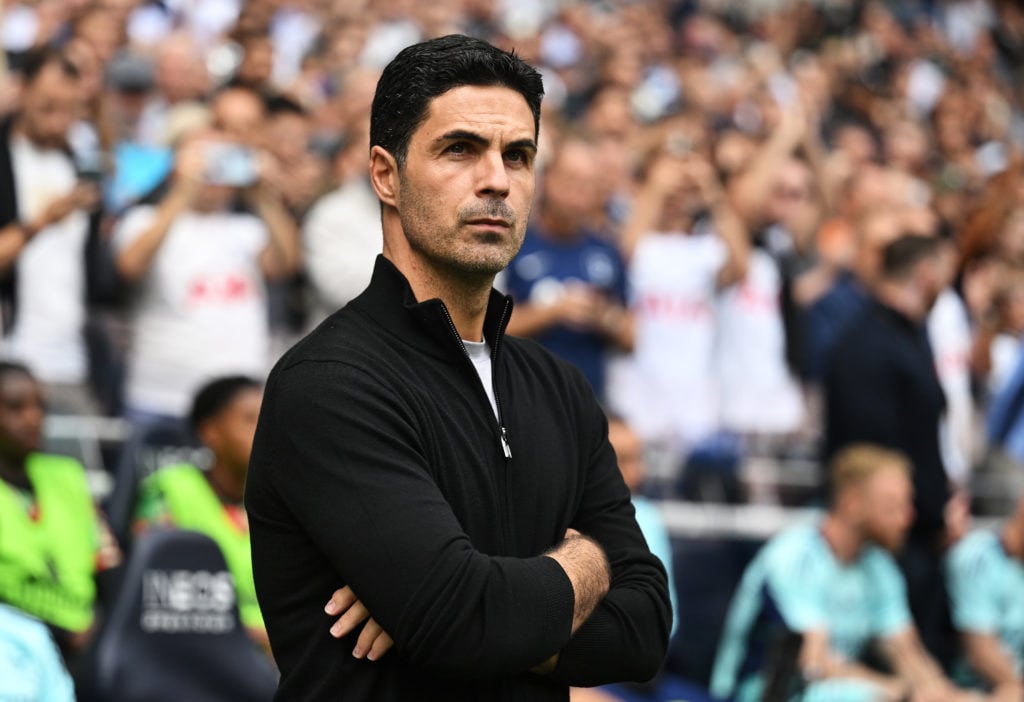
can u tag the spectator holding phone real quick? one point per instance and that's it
(44, 225)
(684, 243)
(199, 266)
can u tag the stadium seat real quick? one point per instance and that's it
(174, 633)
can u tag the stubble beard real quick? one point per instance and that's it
(483, 257)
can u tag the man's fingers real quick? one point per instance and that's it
(366, 637)
(348, 621)
(340, 601)
(373, 641)
(381, 645)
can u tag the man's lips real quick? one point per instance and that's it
(488, 222)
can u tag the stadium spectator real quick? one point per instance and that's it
(1005, 432)
(240, 112)
(256, 68)
(303, 175)
(56, 549)
(986, 587)
(684, 243)
(208, 499)
(761, 398)
(44, 226)
(569, 284)
(828, 317)
(818, 596)
(341, 235)
(198, 266)
(180, 76)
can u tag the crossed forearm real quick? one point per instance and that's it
(582, 559)
(585, 563)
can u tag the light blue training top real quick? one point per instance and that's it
(31, 667)
(652, 525)
(796, 583)
(986, 589)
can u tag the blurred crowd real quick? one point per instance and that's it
(725, 190)
(718, 183)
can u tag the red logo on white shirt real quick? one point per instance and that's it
(229, 288)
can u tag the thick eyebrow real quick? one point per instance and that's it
(465, 135)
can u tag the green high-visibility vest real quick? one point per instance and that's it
(47, 567)
(193, 505)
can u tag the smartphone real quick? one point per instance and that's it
(230, 164)
(90, 166)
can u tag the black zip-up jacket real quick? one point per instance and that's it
(882, 388)
(378, 463)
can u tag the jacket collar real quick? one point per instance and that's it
(426, 325)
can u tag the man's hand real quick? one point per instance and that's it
(190, 166)
(373, 641)
(84, 196)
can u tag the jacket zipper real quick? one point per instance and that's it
(506, 448)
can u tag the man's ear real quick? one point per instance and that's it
(384, 176)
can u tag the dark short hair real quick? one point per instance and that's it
(35, 60)
(284, 105)
(14, 368)
(901, 255)
(216, 395)
(423, 71)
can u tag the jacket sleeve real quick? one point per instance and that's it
(351, 467)
(626, 638)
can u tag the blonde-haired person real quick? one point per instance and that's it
(833, 588)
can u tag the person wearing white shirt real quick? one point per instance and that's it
(44, 225)
(678, 261)
(199, 269)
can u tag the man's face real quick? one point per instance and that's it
(49, 107)
(466, 186)
(572, 191)
(791, 192)
(888, 507)
(240, 114)
(21, 415)
(229, 434)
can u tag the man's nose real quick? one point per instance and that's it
(492, 177)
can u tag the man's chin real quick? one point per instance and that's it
(483, 270)
(484, 264)
(892, 545)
